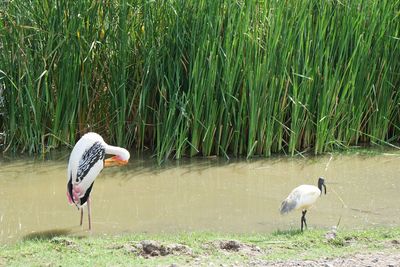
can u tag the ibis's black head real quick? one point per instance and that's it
(321, 183)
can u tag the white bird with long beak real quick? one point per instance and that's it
(303, 197)
(85, 163)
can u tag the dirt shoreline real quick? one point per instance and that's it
(384, 258)
(255, 256)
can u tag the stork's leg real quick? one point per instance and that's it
(89, 214)
(303, 219)
(81, 216)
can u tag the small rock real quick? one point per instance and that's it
(130, 249)
(154, 253)
(254, 263)
(179, 249)
(62, 241)
(149, 246)
(153, 248)
(330, 235)
(230, 245)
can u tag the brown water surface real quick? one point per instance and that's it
(199, 195)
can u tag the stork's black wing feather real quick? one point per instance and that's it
(92, 155)
(69, 188)
(86, 196)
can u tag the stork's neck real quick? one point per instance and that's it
(118, 151)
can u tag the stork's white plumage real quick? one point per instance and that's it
(303, 197)
(85, 163)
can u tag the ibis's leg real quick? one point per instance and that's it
(89, 217)
(303, 219)
(81, 216)
(302, 223)
(305, 222)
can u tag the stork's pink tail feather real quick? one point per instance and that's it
(69, 198)
(76, 195)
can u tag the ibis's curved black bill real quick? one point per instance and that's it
(321, 183)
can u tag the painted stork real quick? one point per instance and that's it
(303, 197)
(85, 163)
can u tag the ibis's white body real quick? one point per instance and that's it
(302, 197)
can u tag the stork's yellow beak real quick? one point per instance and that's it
(114, 161)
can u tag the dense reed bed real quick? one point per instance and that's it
(200, 77)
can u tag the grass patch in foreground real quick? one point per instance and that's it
(198, 248)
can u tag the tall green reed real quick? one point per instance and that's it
(186, 78)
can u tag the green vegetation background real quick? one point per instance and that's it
(189, 77)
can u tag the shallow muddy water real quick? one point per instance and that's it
(199, 195)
